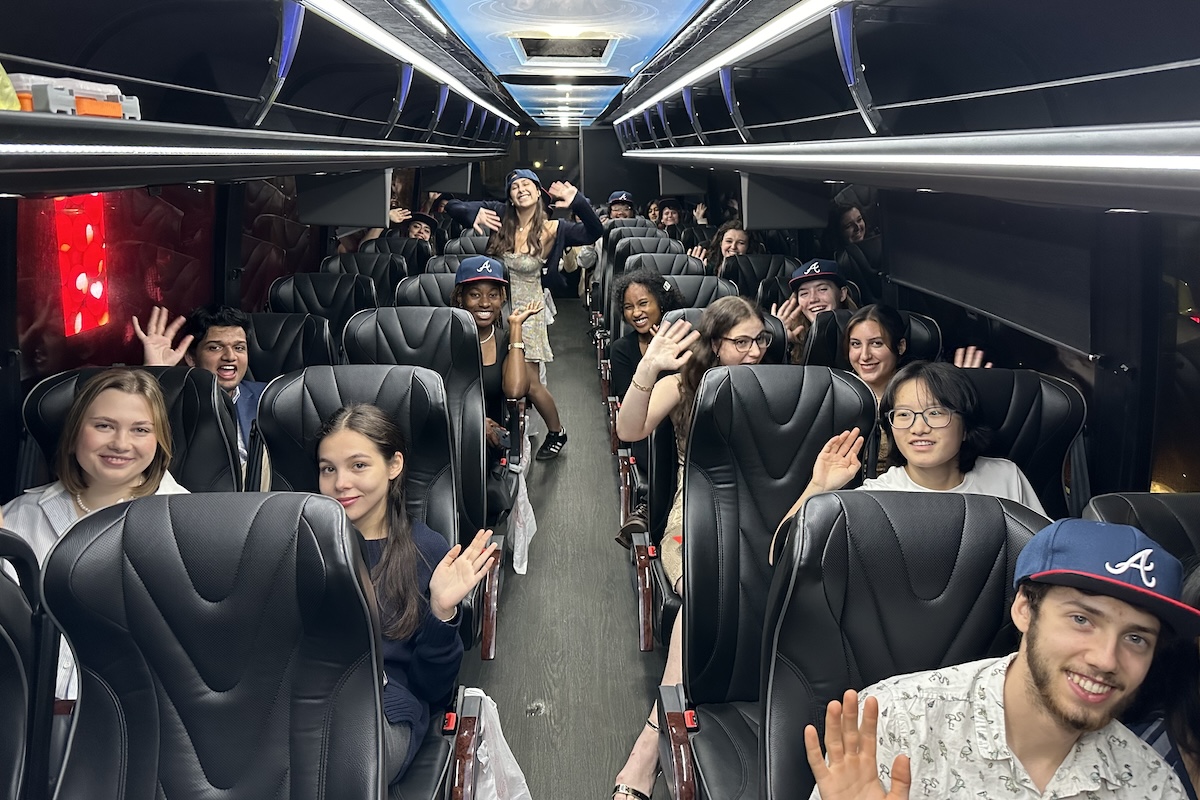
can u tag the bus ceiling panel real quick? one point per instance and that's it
(1145, 167)
(49, 155)
(148, 46)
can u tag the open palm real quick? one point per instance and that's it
(458, 573)
(671, 346)
(838, 461)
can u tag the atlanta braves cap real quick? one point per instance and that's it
(1115, 560)
(480, 268)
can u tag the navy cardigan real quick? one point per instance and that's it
(421, 670)
(570, 234)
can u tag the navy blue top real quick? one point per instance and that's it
(570, 234)
(1155, 734)
(423, 669)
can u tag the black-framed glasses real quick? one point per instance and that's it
(742, 343)
(935, 417)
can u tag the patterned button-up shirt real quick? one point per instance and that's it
(950, 722)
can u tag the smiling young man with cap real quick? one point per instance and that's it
(620, 205)
(1093, 601)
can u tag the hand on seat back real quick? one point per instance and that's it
(158, 336)
(851, 773)
(970, 358)
(458, 573)
(699, 252)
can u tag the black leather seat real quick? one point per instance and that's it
(871, 585)
(750, 271)
(630, 246)
(18, 661)
(243, 661)
(428, 289)
(625, 222)
(280, 343)
(447, 263)
(699, 291)
(384, 269)
(666, 263)
(1035, 419)
(1172, 520)
(860, 262)
(755, 436)
(697, 235)
(204, 454)
(416, 252)
(468, 245)
(825, 345)
(334, 297)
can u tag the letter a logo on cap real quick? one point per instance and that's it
(814, 269)
(1141, 562)
(486, 266)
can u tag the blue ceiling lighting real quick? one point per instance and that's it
(562, 40)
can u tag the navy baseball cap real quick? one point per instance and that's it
(521, 173)
(1109, 559)
(817, 269)
(480, 268)
(670, 202)
(620, 197)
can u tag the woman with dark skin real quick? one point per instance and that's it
(645, 297)
(531, 245)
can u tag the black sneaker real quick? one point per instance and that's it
(552, 446)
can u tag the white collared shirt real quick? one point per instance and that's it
(41, 516)
(950, 722)
(237, 421)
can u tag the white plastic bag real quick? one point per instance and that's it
(499, 776)
(551, 310)
(521, 523)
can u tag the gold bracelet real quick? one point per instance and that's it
(516, 345)
(639, 387)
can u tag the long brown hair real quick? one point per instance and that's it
(717, 320)
(395, 576)
(505, 240)
(131, 381)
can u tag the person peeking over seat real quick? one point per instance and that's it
(1093, 602)
(731, 239)
(419, 579)
(817, 286)
(115, 446)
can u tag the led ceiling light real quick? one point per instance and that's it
(359, 25)
(786, 23)
(427, 14)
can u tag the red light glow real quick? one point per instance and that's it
(79, 222)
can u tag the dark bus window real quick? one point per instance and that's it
(1176, 466)
(87, 263)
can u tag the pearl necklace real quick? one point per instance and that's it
(86, 510)
(490, 336)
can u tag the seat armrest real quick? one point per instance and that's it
(614, 407)
(605, 379)
(643, 552)
(516, 429)
(467, 736)
(490, 599)
(674, 745)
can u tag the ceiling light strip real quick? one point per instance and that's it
(359, 25)
(783, 25)
(856, 160)
(8, 149)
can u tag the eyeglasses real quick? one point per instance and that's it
(742, 343)
(936, 417)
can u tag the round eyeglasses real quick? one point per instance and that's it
(936, 417)
(742, 343)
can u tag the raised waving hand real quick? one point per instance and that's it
(851, 773)
(486, 221)
(671, 347)
(970, 358)
(522, 313)
(457, 574)
(157, 339)
(563, 193)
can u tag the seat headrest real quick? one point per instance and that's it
(1172, 520)
(279, 343)
(427, 289)
(293, 408)
(876, 584)
(191, 615)
(333, 296)
(665, 263)
(204, 454)
(825, 345)
(699, 291)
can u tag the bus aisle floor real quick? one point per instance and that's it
(568, 678)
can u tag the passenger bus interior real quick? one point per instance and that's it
(1021, 179)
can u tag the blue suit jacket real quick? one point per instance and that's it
(247, 407)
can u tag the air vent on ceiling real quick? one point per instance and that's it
(538, 51)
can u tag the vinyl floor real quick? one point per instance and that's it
(571, 686)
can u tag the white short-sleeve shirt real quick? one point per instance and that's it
(997, 477)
